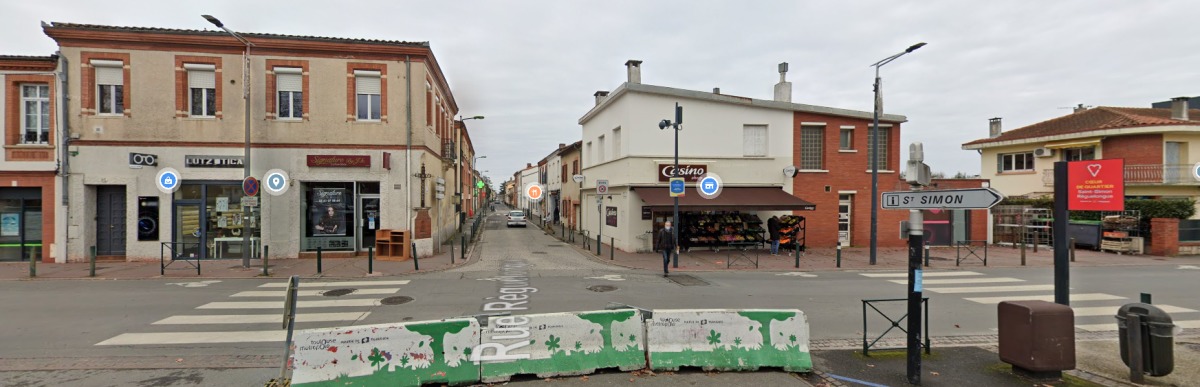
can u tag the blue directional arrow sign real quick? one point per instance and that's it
(167, 180)
(677, 186)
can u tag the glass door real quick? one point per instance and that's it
(368, 220)
(190, 232)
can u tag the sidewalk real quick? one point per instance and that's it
(355, 267)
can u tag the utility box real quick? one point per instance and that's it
(1157, 337)
(1037, 337)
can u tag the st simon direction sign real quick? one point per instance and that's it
(973, 198)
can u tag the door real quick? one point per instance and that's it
(110, 220)
(368, 220)
(189, 231)
(844, 210)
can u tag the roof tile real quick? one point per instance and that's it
(222, 33)
(1098, 118)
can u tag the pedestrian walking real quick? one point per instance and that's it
(773, 231)
(666, 244)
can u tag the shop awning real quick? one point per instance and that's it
(731, 199)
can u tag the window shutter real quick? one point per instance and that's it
(202, 79)
(288, 82)
(109, 76)
(367, 84)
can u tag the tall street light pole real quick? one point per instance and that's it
(874, 151)
(246, 97)
(462, 216)
(675, 173)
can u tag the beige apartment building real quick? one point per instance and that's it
(364, 129)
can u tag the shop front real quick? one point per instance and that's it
(735, 219)
(340, 216)
(21, 221)
(209, 220)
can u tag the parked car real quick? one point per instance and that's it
(516, 218)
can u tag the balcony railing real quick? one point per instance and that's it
(448, 150)
(1145, 174)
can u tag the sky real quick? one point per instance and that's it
(531, 67)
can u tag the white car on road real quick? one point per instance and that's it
(516, 218)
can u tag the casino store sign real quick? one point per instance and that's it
(689, 172)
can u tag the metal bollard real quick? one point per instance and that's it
(1146, 298)
(612, 246)
(464, 247)
(416, 264)
(92, 260)
(1036, 241)
(839, 255)
(1072, 248)
(32, 264)
(598, 245)
(318, 259)
(1022, 253)
(452, 252)
(797, 256)
(266, 254)
(370, 259)
(926, 253)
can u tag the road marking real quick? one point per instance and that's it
(260, 318)
(300, 304)
(1189, 267)
(199, 284)
(798, 274)
(332, 284)
(1048, 298)
(927, 274)
(1112, 310)
(961, 281)
(609, 277)
(196, 337)
(1112, 326)
(307, 293)
(992, 289)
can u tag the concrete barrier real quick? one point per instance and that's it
(409, 354)
(561, 344)
(729, 340)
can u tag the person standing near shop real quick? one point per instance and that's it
(773, 231)
(666, 244)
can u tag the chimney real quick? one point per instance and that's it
(716, 90)
(1179, 108)
(528, 165)
(600, 97)
(994, 127)
(560, 146)
(783, 89)
(1078, 108)
(634, 69)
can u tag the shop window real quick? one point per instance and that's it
(20, 224)
(329, 219)
(754, 140)
(812, 142)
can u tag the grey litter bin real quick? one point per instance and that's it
(1158, 338)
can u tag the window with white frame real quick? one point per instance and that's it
(289, 85)
(35, 114)
(754, 140)
(368, 94)
(616, 153)
(812, 143)
(202, 89)
(881, 150)
(846, 139)
(1078, 154)
(110, 86)
(1014, 162)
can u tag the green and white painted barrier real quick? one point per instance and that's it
(729, 340)
(561, 344)
(409, 354)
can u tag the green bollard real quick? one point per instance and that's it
(266, 253)
(370, 259)
(318, 259)
(839, 255)
(416, 264)
(92, 260)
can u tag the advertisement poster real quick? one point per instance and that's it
(329, 212)
(610, 217)
(10, 224)
(1096, 185)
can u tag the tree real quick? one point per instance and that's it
(606, 320)
(437, 332)
(764, 318)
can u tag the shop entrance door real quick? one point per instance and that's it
(368, 220)
(110, 221)
(190, 232)
(845, 206)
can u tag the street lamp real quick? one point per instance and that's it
(246, 97)
(462, 216)
(874, 151)
(674, 173)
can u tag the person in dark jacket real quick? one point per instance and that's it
(666, 244)
(773, 230)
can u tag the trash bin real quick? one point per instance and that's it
(1158, 337)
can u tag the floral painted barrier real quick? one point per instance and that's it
(561, 344)
(409, 354)
(729, 340)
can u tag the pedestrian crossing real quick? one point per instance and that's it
(255, 316)
(1093, 311)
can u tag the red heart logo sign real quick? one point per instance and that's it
(1094, 169)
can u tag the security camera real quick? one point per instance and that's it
(664, 124)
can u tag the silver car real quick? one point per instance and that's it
(516, 218)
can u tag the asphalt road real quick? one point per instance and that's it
(173, 332)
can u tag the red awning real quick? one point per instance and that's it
(731, 199)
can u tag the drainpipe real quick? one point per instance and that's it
(408, 147)
(65, 172)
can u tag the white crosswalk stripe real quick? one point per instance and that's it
(261, 309)
(1112, 310)
(926, 274)
(950, 281)
(1112, 326)
(992, 289)
(1045, 297)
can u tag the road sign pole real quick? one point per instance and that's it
(915, 241)
(675, 173)
(1062, 280)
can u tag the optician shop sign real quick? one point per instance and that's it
(202, 161)
(689, 172)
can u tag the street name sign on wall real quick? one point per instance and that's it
(965, 199)
(1096, 185)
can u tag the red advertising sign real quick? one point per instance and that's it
(689, 172)
(1096, 185)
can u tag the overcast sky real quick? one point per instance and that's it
(531, 66)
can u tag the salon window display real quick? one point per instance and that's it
(328, 213)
